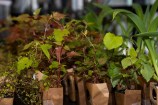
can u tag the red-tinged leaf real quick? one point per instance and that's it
(55, 25)
(14, 35)
(59, 51)
(72, 54)
(58, 16)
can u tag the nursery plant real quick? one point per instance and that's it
(117, 67)
(47, 48)
(91, 66)
(146, 32)
(98, 18)
(8, 76)
(143, 39)
(122, 64)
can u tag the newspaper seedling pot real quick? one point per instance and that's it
(154, 93)
(53, 96)
(130, 97)
(65, 85)
(99, 93)
(6, 101)
(146, 95)
(71, 85)
(81, 90)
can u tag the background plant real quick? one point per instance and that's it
(8, 75)
(98, 18)
(91, 67)
(146, 26)
(121, 61)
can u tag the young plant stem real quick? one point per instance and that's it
(59, 69)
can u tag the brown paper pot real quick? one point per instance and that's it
(146, 95)
(65, 85)
(130, 97)
(82, 100)
(6, 101)
(99, 93)
(53, 96)
(154, 93)
(145, 90)
(72, 90)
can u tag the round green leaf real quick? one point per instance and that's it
(111, 41)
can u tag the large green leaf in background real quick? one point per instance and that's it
(45, 48)
(23, 63)
(111, 41)
(140, 25)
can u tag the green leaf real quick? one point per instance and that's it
(54, 64)
(63, 69)
(137, 21)
(66, 47)
(128, 61)
(58, 43)
(132, 52)
(44, 77)
(27, 46)
(102, 73)
(22, 18)
(154, 9)
(153, 26)
(146, 18)
(45, 48)
(23, 63)
(102, 6)
(155, 77)
(113, 71)
(59, 34)
(36, 12)
(138, 10)
(147, 34)
(35, 63)
(102, 61)
(90, 72)
(135, 77)
(114, 81)
(91, 18)
(125, 75)
(118, 11)
(147, 71)
(112, 41)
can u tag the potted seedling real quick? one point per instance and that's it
(19, 37)
(45, 53)
(8, 77)
(91, 68)
(40, 56)
(75, 43)
(146, 32)
(122, 69)
(99, 22)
